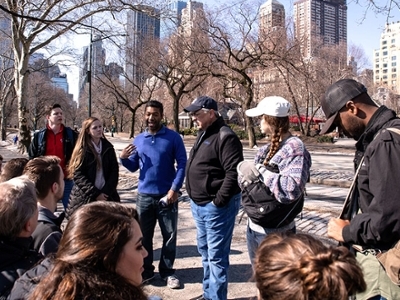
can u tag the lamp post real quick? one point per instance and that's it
(90, 65)
(89, 75)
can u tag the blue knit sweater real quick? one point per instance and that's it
(155, 156)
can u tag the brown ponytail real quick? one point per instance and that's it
(300, 267)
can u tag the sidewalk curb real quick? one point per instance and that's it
(331, 182)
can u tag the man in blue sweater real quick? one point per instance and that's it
(155, 152)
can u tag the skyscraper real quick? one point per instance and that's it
(97, 54)
(386, 70)
(171, 18)
(192, 16)
(272, 24)
(143, 30)
(320, 22)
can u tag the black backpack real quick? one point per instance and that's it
(263, 209)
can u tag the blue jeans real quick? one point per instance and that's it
(214, 235)
(68, 184)
(254, 238)
(150, 211)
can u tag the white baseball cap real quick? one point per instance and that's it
(272, 106)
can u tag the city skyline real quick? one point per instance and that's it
(364, 29)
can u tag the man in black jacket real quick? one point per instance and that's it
(48, 177)
(211, 182)
(373, 221)
(55, 139)
(18, 219)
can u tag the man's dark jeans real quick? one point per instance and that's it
(150, 211)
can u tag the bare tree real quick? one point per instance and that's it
(180, 67)
(127, 91)
(36, 25)
(240, 52)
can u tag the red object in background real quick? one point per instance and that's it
(303, 119)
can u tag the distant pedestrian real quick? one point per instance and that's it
(15, 139)
(371, 220)
(160, 155)
(55, 139)
(283, 166)
(93, 167)
(211, 182)
(300, 267)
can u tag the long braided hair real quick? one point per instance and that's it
(280, 126)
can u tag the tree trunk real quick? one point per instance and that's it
(21, 84)
(3, 122)
(176, 115)
(132, 131)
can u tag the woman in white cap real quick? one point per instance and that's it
(273, 185)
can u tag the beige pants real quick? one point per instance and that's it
(378, 283)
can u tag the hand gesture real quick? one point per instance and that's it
(128, 151)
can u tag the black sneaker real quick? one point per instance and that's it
(146, 278)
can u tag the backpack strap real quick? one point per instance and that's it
(395, 130)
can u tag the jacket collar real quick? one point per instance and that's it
(160, 131)
(376, 123)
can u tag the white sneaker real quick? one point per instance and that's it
(173, 282)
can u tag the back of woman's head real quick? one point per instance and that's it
(300, 267)
(88, 254)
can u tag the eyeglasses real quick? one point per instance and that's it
(198, 112)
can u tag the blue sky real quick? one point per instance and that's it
(364, 26)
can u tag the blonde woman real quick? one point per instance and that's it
(93, 166)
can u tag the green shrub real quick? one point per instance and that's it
(190, 131)
(241, 134)
(324, 139)
(295, 128)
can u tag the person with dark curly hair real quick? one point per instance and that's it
(300, 267)
(100, 256)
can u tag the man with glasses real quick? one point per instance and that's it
(372, 219)
(211, 182)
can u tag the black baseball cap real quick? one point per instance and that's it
(336, 96)
(202, 102)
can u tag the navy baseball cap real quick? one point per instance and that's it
(202, 102)
(336, 96)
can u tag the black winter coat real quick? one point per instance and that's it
(378, 185)
(84, 190)
(24, 286)
(211, 173)
(38, 146)
(16, 258)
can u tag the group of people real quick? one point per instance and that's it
(106, 249)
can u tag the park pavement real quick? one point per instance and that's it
(321, 203)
